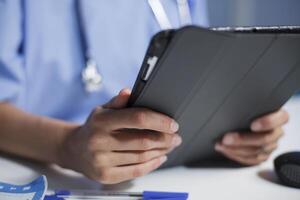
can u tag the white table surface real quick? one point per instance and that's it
(252, 183)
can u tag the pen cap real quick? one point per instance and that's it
(150, 195)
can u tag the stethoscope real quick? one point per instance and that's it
(90, 75)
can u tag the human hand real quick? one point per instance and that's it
(118, 144)
(254, 147)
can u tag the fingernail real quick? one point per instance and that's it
(174, 126)
(126, 91)
(218, 147)
(176, 141)
(229, 139)
(256, 126)
(163, 159)
(170, 150)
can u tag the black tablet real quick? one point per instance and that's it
(217, 80)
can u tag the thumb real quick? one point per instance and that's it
(119, 101)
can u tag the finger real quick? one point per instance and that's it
(269, 148)
(251, 160)
(246, 151)
(119, 101)
(239, 151)
(270, 121)
(252, 139)
(114, 159)
(134, 140)
(137, 118)
(119, 174)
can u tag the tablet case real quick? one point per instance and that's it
(214, 81)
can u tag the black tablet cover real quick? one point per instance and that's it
(213, 81)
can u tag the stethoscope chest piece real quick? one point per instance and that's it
(91, 77)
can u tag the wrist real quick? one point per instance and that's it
(69, 148)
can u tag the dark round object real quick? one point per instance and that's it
(287, 167)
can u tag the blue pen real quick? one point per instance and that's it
(96, 195)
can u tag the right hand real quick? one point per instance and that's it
(118, 144)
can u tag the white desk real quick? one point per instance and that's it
(251, 183)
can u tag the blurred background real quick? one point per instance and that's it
(254, 12)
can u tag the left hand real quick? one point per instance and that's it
(254, 147)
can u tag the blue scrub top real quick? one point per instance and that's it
(41, 60)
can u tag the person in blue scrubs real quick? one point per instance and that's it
(47, 114)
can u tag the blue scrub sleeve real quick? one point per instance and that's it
(11, 50)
